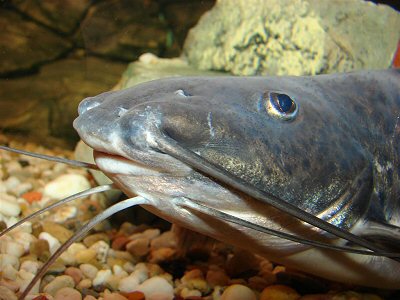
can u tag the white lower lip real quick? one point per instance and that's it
(119, 165)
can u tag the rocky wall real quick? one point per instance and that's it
(55, 53)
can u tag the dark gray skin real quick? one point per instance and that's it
(337, 157)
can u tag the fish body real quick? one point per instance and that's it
(328, 145)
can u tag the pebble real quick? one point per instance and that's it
(66, 185)
(101, 277)
(139, 246)
(157, 288)
(54, 244)
(162, 254)
(58, 283)
(24, 279)
(67, 293)
(12, 248)
(101, 248)
(75, 273)
(217, 277)
(93, 238)
(6, 294)
(65, 213)
(24, 238)
(11, 183)
(9, 205)
(128, 284)
(279, 292)
(89, 297)
(84, 284)
(88, 270)
(238, 292)
(165, 240)
(8, 259)
(58, 231)
(30, 266)
(9, 272)
(32, 197)
(85, 256)
(114, 296)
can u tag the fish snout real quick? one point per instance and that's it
(92, 102)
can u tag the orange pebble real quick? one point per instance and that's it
(119, 242)
(134, 295)
(40, 297)
(279, 292)
(32, 196)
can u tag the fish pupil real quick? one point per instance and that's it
(285, 102)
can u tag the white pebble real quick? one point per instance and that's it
(24, 238)
(9, 205)
(119, 271)
(59, 283)
(157, 287)
(101, 277)
(128, 284)
(101, 248)
(23, 280)
(65, 213)
(11, 183)
(23, 188)
(12, 248)
(54, 244)
(238, 292)
(88, 270)
(7, 294)
(9, 272)
(8, 259)
(66, 185)
(30, 266)
(3, 187)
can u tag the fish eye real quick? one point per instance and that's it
(281, 106)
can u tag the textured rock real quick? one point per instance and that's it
(63, 15)
(59, 283)
(150, 67)
(238, 292)
(293, 37)
(54, 95)
(18, 35)
(128, 29)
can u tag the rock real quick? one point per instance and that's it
(157, 288)
(9, 272)
(64, 213)
(88, 270)
(114, 296)
(150, 67)
(293, 37)
(138, 30)
(12, 248)
(238, 292)
(59, 283)
(93, 238)
(30, 266)
(64, 17)
(61, 233)
(67, 293)
(9, 205)
(6, 294)
(101, 249)
(101, 277)
(41, 249)
(54, 244)
(8, 260)
(217, 277)
(161, 255)
(85, 256)
(24, 279)
(278, 292)
(129, 284)
(19, 34)
(84, 284)
(139, 246)
(66, 185)
(75, 273)
(119, 242)
(165, 240)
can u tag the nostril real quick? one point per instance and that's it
(182, 93)
(87, 104)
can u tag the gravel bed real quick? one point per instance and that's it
(129, 262)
